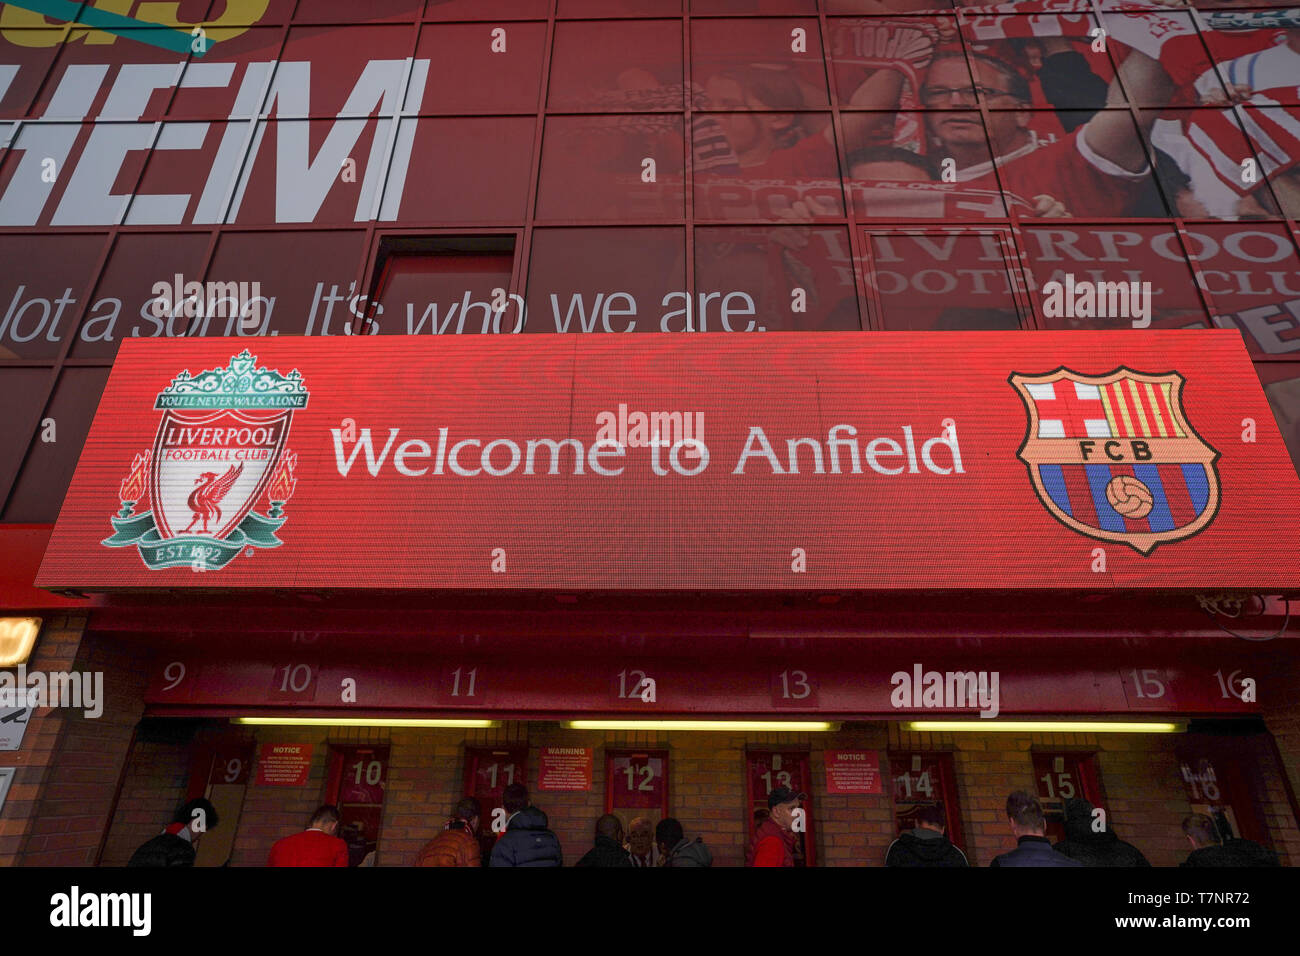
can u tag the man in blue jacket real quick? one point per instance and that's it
(1029, 826)
(527, 841)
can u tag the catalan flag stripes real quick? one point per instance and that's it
(1140, 409)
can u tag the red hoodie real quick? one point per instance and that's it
(309, 848)
(771, 846)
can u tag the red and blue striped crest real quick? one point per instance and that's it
(1114, 457)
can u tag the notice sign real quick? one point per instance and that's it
(283, 765)
(565, 768)
(853, 771)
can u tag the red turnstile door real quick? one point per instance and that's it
(1060, 777)
(765, 771)
(488, 771)
(356, 783)
(925, 779)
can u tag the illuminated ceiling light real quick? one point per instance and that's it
(819, 726)
(17, 638)
(364, 722)
(1044, 726)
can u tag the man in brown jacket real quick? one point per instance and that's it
(457, 844)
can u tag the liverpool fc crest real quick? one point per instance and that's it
(219, 451)
(1113, 456)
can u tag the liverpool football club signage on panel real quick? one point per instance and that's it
(907, 460)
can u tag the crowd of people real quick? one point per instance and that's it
(527, 840)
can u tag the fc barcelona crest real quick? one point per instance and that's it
(1114, 457)
(220, 450)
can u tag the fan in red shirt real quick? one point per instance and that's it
(774, 838)
(315, 846)
(1098, 170)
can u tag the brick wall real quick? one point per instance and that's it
(1282, 775)
(1145, 796)
(69, 764)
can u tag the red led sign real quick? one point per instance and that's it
(790, 461)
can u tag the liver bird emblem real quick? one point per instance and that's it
(204, 499)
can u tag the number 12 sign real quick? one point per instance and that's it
(637, 780)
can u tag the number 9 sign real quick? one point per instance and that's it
(174, 680)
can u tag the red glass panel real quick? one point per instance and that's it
(1275, 135)
(435, 293)
(346, 11)
(618, 8)
(467, 76)
(723, 7)
(1170, 37)
(942, 282)
(465, 171)
(587, 280)
(338, 57)
(889, 180)
(47, 470)
(486, 9)
(762, 165)
(307, 291)
(1253, 276)
(882, 63)
(751, 64)
(1201, 161)
(1282, 388)
(611, 65)
(595, 167)
(120, 306)
(22, 395)
(206, 93)
(297, 171)
(1113, 254)
(27, 54)
(1052, 55)
(43, 287)
(761, 278)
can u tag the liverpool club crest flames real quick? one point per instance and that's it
(1114, 457)
(220, 450)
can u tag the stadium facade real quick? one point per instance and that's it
(655, 402)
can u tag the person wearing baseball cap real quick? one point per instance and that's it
(774, 837)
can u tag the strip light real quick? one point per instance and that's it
(363, 722)
(1044, 726)
(817, 726)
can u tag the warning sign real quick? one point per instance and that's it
(565, 768)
